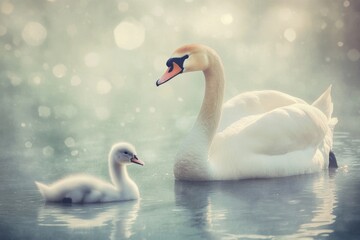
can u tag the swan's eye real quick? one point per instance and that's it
(178, 60)
(169, 63)
(126, 152)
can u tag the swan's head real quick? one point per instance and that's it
(188, 58)
(124, 153)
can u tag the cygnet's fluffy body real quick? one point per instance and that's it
(88, 189)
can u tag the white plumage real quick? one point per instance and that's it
(88, 189)
(252, 103)
(257, 134)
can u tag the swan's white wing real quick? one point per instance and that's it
(279, 131)
(252, 103)
(276, 143)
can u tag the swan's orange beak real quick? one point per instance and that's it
(134, 159)
(170, 73)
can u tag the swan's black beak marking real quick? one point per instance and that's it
(175, 67)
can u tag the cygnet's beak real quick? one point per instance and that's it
(134, 159)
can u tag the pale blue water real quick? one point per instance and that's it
(317, 206)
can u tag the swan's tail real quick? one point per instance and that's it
(43, 189)
(325, 104)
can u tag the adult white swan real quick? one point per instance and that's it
(88, 189)
(279, 136)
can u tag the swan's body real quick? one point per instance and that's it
(88, 189)
(262, 134)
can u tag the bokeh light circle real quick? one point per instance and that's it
(34, 34)
(129, 35)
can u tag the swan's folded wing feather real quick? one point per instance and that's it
(282, 130)
(254, 102)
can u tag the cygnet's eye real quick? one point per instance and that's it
(126, 152)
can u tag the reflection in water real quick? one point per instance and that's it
(194, 197)
(119, 216)
(324, 190)
(295, 207)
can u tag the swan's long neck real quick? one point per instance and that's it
(192, 160)
(118, 174)
(210, 112)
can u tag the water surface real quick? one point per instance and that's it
(315, 206)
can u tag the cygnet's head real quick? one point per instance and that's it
(124, 153)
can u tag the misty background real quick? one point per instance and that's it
(77, 76)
